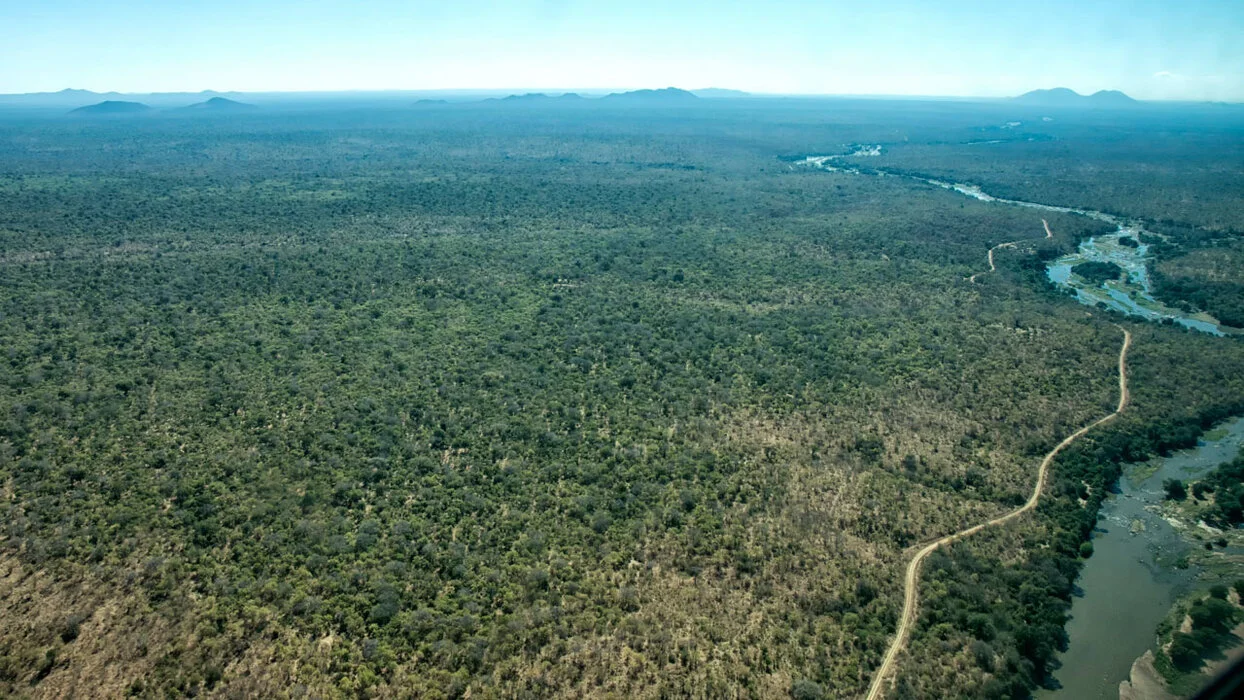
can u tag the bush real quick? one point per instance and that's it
(804, 689)
(1175, 490)
(981, 627)
(1213, 613)
(1185, 652)
(983, 654)
(70, 628)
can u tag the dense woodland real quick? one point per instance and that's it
(1097, 273)
(1207, 276)
(530, 403)
(1226, 483)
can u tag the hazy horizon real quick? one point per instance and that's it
(466, 95)
(972, 49)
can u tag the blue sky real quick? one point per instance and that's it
(1185, 49)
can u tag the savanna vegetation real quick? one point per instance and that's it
(1207, 277)
(538, 404)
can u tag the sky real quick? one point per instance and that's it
(1185, 49)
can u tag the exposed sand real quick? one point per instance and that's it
(1145, 682)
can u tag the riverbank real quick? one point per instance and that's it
(1088, 476)
(1145, 559)
(1144, 682)
(911, 581)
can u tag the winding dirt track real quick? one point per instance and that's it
(1048, 234)
(912, 580)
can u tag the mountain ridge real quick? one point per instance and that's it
(1066, 97)
(662, 95)
(110, 107)
(220, 104)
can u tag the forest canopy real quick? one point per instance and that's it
(432, 402)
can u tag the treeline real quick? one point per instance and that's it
(1105, 167)
(1224, 300)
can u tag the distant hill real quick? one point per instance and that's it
(1112, 97)
(716, 93)
(1053, 96)
(75, 94)
(666, 96)
(533, 97)
(112, 107)
(1066, 97)
(71, 98)
(221, 104)
(637, 98)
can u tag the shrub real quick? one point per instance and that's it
(804, 689)
(1175, 490)
(1185, 652)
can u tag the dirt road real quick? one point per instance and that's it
(1048, 234)
(912, 580)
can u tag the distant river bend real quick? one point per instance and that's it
(1126, 247)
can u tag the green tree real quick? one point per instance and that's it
(1185, 652)
(1175, 490)
(1213, 613)
(804, 689)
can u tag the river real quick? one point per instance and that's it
(1135, 574)
(1132, 294)
(1127, 587)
